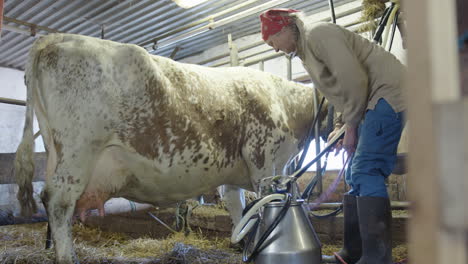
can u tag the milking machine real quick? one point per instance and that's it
(277, 226)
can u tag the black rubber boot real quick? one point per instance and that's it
(351, 251)
(375, 218)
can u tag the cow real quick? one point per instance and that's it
(119, 122)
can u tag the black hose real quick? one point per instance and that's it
(308, 139)
(395, 22)
(378, 34)
(332, 9)
(320, 155)
(311, 186)
(330, 119)
(334, 213)
(250, 205)
(256, 250)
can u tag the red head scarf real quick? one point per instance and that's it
(274, 20)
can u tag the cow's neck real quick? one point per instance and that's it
(301, 113)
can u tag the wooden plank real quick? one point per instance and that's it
(137, 224)
(465, 154)
(449, 132)
(422, 181)
(436, 174)
(443, 49)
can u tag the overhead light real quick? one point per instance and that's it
(188, 3)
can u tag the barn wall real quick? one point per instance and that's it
(12, 116)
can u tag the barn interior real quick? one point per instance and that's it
(428, 190)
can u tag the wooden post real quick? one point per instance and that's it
(438, 116)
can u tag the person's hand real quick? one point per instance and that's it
(339, 144)
(350, 139)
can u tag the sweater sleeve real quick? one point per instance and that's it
(329, 43)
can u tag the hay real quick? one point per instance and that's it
(399, 251)
(371, 10)
(25, 244)
(209, 211)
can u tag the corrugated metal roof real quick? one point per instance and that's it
(131, 21)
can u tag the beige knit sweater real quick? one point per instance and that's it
(352, 72)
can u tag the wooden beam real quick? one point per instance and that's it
(436, 175)
(422, 180)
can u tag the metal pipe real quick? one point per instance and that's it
(351, 11)
(264, 58)
(102, 32)
(30, 25)
(12, 101)
(353, 23)
(317, 143)
(174, 52)
(332, 10)
(262, 65)
(215, 24)
(253, 45)
(289, 68)
(213, 58)
(196, 23)
(19, 30)
(224, 62)
(256, 53)
(395, 205)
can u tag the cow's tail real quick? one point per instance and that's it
(24, 161)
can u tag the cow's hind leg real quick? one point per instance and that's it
(235, 202)
(48, 243)
(61, 194)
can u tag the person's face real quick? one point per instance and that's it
(284, 41)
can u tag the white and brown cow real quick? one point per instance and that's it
(118, 122)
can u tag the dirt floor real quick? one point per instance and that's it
(25, 244)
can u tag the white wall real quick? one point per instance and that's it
(12, 116)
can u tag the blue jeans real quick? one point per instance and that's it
(375, 156)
